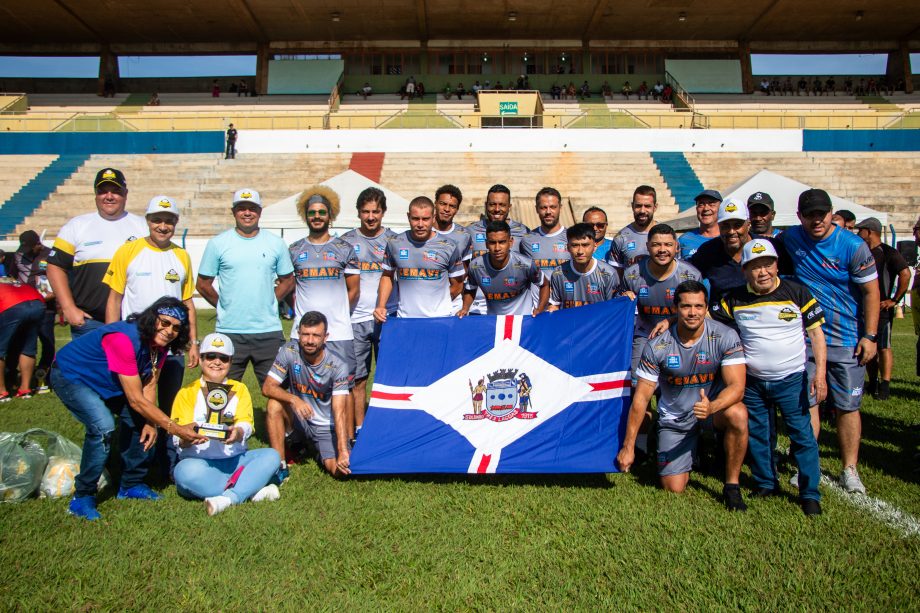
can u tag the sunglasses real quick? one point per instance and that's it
(216, 356)
(317, 213)
(164, 323)
(599, 225)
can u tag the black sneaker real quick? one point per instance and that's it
(884, 390)
(764, 492)
(731, 494)
(811, 507)
(871, 388)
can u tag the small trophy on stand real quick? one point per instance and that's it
(216, 399)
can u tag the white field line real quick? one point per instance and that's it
(885, 512)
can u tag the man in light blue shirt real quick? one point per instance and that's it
(246, 263)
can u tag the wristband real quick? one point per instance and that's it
(870, 337)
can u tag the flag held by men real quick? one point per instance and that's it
(500, 394)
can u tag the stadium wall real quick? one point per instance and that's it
(61, 143)
(861, 140)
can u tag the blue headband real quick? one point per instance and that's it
(174, 312)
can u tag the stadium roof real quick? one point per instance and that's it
(174, 26)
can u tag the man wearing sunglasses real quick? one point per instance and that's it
(254, 271)
(597, 218)
(83, 249)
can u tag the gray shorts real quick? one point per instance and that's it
(884, 334)
(345, 351)
(845, 378)
(260, 349)
(320, 438)
(367, 343)
(677, 446)
(638, 346)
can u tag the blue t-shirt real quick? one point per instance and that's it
(690, 242)
(833, 269)
(246, 269)
(601, 250)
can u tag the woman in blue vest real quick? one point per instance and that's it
(114, 370)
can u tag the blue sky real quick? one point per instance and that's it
(163, 66)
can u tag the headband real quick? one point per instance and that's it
(174, 312)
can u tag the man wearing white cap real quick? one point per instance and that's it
(773, 316)
(247, 263)
(143, 271)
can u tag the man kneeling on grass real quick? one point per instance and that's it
(307, 388)
(699, 365)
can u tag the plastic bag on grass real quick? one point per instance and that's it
(63, 463)
(22, 463)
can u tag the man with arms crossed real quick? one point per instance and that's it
(426, 266)
(697, 359)
(307, 388)
(582, 280)
(505, 277)
(773, 317)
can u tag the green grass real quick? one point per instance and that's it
(478, 543)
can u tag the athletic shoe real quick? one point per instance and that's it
(216, 504)
(884, 390)
(282, 475)
(138, 492)
(871, 388)
(5, 397)
(42, 389)
(731, 494)
(850, 481)
(794, 480)
(810, 507)
(23, 394)
(85, 507)
(764, 492)
(269, 493)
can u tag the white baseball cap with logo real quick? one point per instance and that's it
(757, 248)
(247, 195)
(215, 342)
(732, 208)
(162, 204)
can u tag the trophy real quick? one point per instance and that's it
(216, 400)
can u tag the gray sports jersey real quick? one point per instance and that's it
(654, 298)
(628, 247)
(548, 251)
(477, 232)
(460, 237)
(319, 271)
(570, 288)
(314, 384)
(370, 252)
(681, 372)
(422, 271)
(507, 291)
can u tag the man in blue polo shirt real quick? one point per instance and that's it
(707, 207)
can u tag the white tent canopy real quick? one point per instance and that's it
(282, 217)
(785, 193)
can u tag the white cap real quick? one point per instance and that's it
(758, 248)
(247, 195)
(215, 342)
(162, 204)
(732, 208)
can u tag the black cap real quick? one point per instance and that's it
(110, 175)
(872, 224)
(29, 238)
(760, 199)
(815, 200)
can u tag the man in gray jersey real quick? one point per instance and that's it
(369, 242)
(697, 359)
(651, 283)
(497, 208)
(447, 200)
(546, 245)
(307, 388)
(582, 280)
(427, 267)
(505, 277)
(629, 245)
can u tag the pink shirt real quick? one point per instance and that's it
(119, 353)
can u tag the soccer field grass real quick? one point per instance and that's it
(604, 542)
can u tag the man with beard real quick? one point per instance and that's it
(546, 245)
(447, 202)
(707, 208)
(630, 243)
(762, 212)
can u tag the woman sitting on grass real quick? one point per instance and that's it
(221, 471)
(114, 370)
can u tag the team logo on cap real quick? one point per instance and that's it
(217, 343)
(246, 195)
(731, 207)
(164, 203)
(758, 248)
(108, 174)
(758, 196)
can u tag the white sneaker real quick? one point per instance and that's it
(850, 481)
(268, 493)
(794, 480)
(216, 504)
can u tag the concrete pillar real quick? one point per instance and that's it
(108, 69)
(263, 54)
(899, 68)
(747, 76)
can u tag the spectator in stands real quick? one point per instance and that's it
(555, 92)
(367, 90)
(230, 154)
(884, 86)
(816, 87)
(246, 262)
(848, 86)
(570, 91)
(802, 87)
(488, 84)
(788, 87)
(830, 86)
(585, 90)
(476, 87)
(657, 90)
(461, 90)
(21, 311)
(447, 92)
(29, 266)
(774, 86)
(893, 281)
(845, 219)
(606, 92)
(707, 208)
(642, 91)
(627, 90)
(597, 218)
(760, 208)
(215, 89)
(872, 87)
(410, 87)
(83, 248)
(243, 89)
(154, 100)
(420, 90)
(765, 86)
(667, 93)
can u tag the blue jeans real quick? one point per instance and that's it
(88, 326)
(201, 478)
(98, 416)
(790, 396)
